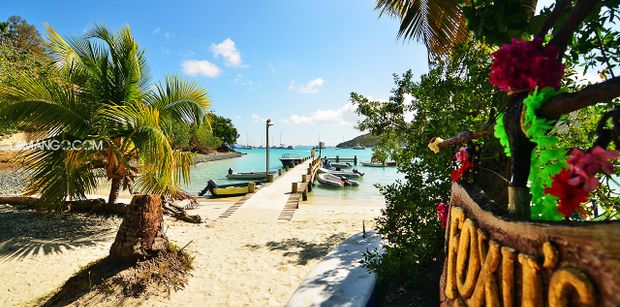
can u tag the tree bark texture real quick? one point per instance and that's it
(141, 233)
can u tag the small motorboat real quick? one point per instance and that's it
(379, 164)
(335, 181)
(340, 173)
(340, 164)
(289, 161)
(226, 190)
(249, 175)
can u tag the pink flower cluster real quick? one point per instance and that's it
(573, 185)
(442, 214)
(462, 156)
(523, 65)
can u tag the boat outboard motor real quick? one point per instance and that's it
(211, 184)
(358, 172)
(230, 171)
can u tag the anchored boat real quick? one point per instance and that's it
(340, 173)
(289, 161)
(335, 181)
(227, 190)
(379, 164)
(249, 175)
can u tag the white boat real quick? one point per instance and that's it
(340, 173)
(340, 164)
(249, 175)
(335, 181)
(379, 164)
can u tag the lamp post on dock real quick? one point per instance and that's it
(267, 125)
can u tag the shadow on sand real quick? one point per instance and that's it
(25, 232)
(303, 251)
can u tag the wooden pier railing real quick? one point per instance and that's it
(307, 179)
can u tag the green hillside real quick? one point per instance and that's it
(365, 140)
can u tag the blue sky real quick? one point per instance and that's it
(292, 61)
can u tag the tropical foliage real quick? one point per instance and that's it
(102, 94)
(456, 96)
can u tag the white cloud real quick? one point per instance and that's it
(311, 87)
(168, 34)
(344, 115)
(156, 31)
(229, 52)
(200, 68)
(257, 118)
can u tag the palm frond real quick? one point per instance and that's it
(179, 100)
(439, 24)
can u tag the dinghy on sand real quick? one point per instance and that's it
(335, 181)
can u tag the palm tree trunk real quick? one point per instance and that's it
(141, 233)
(114, 190)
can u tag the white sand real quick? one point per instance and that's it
(248, 259)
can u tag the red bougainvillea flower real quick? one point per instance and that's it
(442, 214)
(570, 196)
(462, 156)
(458, 173)
(585, 166)
(523, 65)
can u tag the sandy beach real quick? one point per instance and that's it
(242, 260)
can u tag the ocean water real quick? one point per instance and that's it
(254, 160)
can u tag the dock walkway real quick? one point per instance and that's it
(268, 202)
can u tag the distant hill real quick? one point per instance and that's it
(365, 140)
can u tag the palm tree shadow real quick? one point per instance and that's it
(87, 279)
(303, 251)
(25, 232)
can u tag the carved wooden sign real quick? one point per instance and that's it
(494, 261)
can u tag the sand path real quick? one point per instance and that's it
(249, 259)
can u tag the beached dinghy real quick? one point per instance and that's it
(249, 175)
(227, 190)
(340, 173)
(335, 181)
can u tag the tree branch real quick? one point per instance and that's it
(590, 95)
(557, 10)
(465, 137)
(578, 14)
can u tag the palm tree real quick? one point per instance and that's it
(102, 93)
(439, 24)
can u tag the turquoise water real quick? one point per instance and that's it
(254, 160)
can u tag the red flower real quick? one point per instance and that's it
(462, 155)
(442, 214)
(458, 173)
(523, 65)
(570, 196)
(586, 165)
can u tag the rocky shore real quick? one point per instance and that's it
(200, 158)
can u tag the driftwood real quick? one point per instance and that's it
(545, 251)
(179, 213)
(97, 205)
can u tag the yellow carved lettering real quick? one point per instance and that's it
(531, 285)
(486, 286)
(467, 253)
(564, 281)
(509, 256)
(457, 216)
